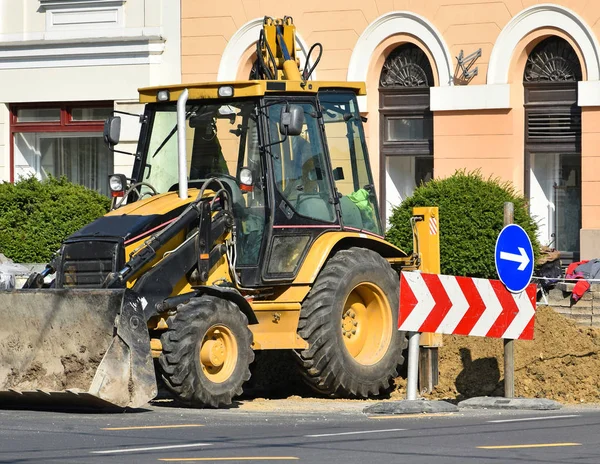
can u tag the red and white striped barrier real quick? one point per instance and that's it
(465, 306)
(433, 227)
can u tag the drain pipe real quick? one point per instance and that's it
(181, 145)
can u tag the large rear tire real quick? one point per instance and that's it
(349, 320)
(206, 352)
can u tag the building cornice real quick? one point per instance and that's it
(37, 51)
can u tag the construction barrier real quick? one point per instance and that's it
(460, 306)
(465, 306)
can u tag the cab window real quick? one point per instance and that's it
(349, 161)
(299, 165)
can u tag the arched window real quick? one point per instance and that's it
(406, 133)
(553, 144)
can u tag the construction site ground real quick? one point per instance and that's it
(562, 363)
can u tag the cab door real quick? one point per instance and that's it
(303, 193)
(351, 169)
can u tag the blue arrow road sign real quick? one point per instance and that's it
(514, 258)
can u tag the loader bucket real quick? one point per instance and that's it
(74, 347)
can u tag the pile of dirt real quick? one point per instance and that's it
(561, 363)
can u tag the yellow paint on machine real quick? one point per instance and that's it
(277, 326)
(209, 90)
(535, 445)
(147, 427)
(322, 247)
(235, 458)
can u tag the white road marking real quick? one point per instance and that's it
(353, 433)
(533, 418)
(150, 448)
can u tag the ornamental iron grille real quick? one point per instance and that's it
(552, 60)
(406, 66)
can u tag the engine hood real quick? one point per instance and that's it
(136, 218)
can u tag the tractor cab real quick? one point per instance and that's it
(293, 162)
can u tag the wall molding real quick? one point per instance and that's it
(496, 93)
(536, 17)
(388, 25)
(39, 52)
(83, 14)
(470, 97)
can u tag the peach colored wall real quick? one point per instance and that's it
(474, 140)
(590, 167)
(492, 140)
(337, 24)
(464, 25)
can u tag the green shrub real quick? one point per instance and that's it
(471, 211)
(35, 217)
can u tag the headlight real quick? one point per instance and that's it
(246, 180)
(225, 91)
(163, 95)
(117, 184)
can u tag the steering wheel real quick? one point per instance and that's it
(215, 174)
(137, 186)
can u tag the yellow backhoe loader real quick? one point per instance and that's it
(250, 223)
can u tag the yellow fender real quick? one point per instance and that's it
(330, 242)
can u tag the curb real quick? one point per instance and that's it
(487, 402)
(410, 407)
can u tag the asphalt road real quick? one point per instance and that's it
(288, 433)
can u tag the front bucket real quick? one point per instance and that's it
(74, 347)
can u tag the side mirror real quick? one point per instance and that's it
(292, 120)
(112, 130)
(338, 173)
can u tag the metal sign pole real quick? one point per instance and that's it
(413, 365)
(509, 348)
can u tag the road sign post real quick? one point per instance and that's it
(514, 264)
(509, 345)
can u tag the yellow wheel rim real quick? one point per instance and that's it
(367, 324)
(218, 354)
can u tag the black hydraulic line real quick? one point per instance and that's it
(262, 68)
(307, 73)
(148, 252)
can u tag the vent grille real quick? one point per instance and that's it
(553, 126)
(87, 263)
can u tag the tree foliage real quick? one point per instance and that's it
(471, 211)
(36, 216)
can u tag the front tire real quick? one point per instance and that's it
(206, 352)
(349, 319)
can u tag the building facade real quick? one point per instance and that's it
(511, 88)
(65, 65)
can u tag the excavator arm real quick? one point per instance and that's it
(276, 52)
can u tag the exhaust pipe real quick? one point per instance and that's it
(181, 145)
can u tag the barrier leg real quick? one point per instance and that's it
(413, 365)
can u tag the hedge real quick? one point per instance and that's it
(471, 211)
(36, 216)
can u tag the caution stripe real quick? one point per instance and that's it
(465, 306)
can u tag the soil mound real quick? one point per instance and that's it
(561, 363)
